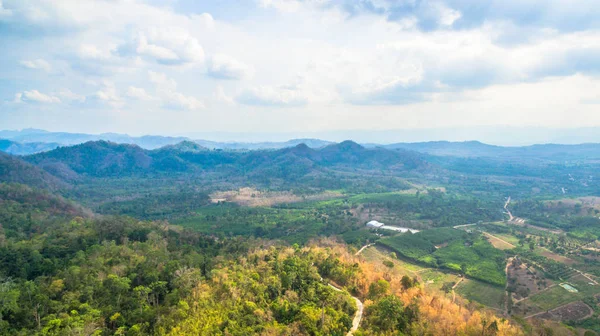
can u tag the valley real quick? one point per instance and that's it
(474, 243)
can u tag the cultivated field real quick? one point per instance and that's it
(571, 312)
(487, 295)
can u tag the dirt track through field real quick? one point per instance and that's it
(498, 239)
(363, 248)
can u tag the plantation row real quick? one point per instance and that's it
(553, 269)
(468, 254)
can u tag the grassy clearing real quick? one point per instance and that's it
(430, 278)
(508, 237)
(499, 243)
(401, 267)
(558, 296)
(487, 295)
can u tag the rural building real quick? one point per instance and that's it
(375, 224)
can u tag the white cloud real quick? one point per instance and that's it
(4, 12)
(179, 101)
(226, 67)
(109, 95)
(222, 97)
(291, 6)
(206, 20)
(93, 52)
(138, 93)
(34, 96)
(273, 96)
(165, 45)
(166, 89)
(160, 79)
(68, 95)
(38, 64)
(351, 58)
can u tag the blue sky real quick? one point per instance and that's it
(180, 66)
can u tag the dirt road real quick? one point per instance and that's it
(363, 248)
(510, 215)
(357, 315)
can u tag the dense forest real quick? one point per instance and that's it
(68, 271)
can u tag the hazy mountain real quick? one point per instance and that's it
(312, 143)
(64, 138)
(552, 152)
(16, 148)
(496, 135)
(56, 139)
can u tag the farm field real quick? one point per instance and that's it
(452, 249)
(556, 257)
(558, 296)
(483, 293)
(498, 242)
(524, 281)
(571, 312)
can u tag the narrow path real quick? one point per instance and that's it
(453, 287)
(500, 239)
(357, 315)
(508, 211)
(363, 248)
(506, 292)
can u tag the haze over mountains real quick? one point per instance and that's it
(32, 141)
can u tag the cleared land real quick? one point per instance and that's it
(429, 277)
(255, 198)
(487, 295)
(498, 243)
(570, 312)
(556, 257)
(525, 281)
(558, 296)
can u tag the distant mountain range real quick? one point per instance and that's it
(33, 141)
(68, 139)
(555, 152)
(104, 159)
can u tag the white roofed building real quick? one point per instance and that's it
(375, 224)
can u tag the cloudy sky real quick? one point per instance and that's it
(179, 66)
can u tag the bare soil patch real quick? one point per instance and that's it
(570, 312)
(524, 280)
(556, 257)
(255, 198)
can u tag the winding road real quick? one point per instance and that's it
(357, 315)
(508, 211)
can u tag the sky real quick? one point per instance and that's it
(257, 66)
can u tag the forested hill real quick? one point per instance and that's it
(63, 272)
(102, 159)
(15, 170)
